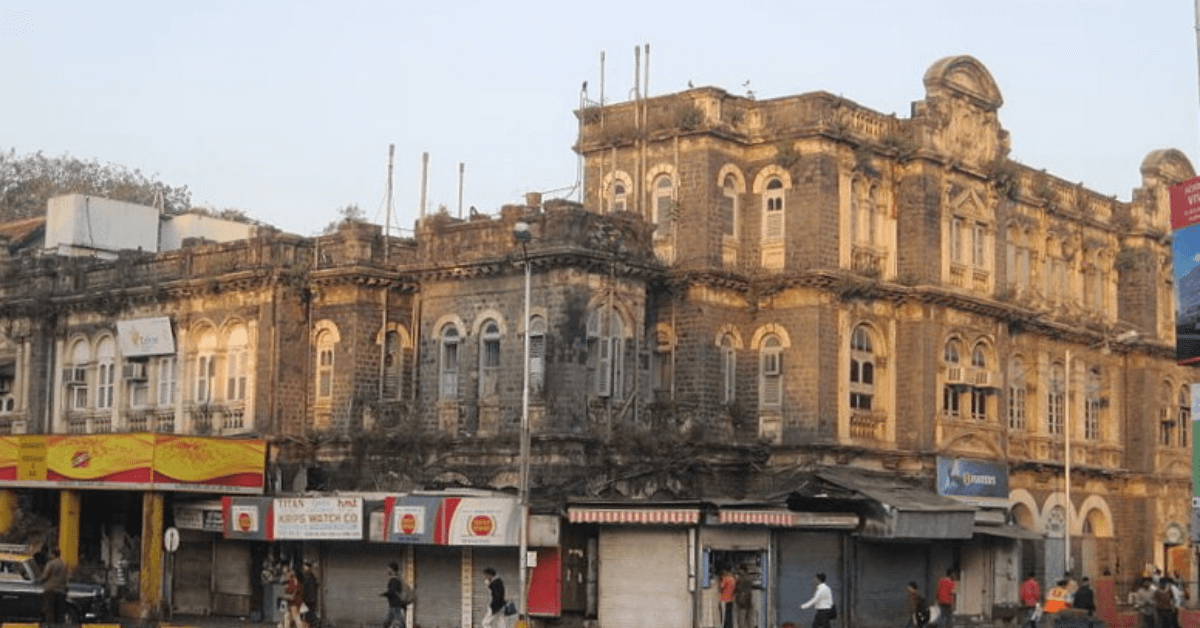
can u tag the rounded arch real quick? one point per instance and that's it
(963, 75)
(876, 336)
(401, 332)
(1025, 510)
(1053, 501)
(610, 181)
(771, 171)
(984, 345)
(729, 330)
(774, 329)
(236, 334)
(326, 326)
(623, 311)
(658, 170)
(449, 320)
(954, 349)
(1095, 512)
(106, 347)
(489, 315)
(731, 170)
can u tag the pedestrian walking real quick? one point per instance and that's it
(399, 595)
(495, 615)
(1143, 601)
(945, 599)
(312, 594)
(822, 600)
(1164, 603)
(54, 588)
(918, 611)
(1085, 598)
(1031, 601)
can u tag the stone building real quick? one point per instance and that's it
(785, 336)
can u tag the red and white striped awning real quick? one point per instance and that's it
(788, 519)
(758, 517)
(669, 516)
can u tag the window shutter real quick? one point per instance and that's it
(604, 369)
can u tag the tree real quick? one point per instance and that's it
(349, 213)
(28, 181)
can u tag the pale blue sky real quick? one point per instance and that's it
(286, 109)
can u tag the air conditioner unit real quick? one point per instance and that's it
(74, 376)
(983, 379)
(134, 371)
(954, 375)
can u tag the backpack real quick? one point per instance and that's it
(407, 596)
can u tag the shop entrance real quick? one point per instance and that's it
(749, 568)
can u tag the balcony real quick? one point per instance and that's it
(214, 418)
(868, 425)
(160, 420)
(89, 423)
(866, 260)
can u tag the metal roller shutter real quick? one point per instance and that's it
(232, 586)
(438, 586)
(355, 576)
(192, 574)
(881, 572)
(801, 556)
(637, 565)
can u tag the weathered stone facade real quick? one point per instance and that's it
(749, 289)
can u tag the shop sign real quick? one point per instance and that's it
(133, 461)
(314, 518)
(145, 336)
(440, 520)
(959, 477)
(207, 519)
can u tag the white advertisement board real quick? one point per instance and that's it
(313, 518)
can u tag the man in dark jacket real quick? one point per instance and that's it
(311, 594)
(54, 587)
(495, 616)
(1085, 597)
(398, 595)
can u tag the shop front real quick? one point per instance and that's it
(109, 498)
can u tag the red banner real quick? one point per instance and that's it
(1185, 203)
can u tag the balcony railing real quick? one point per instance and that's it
(868, 425)
(212, 418)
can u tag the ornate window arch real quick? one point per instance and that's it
(237, 362)
(1018, 390)
(606, 352)
(106, 377)
(732, 185)
(489, 358)
(76, 375)
(662, 368)
(862, 368)
(450, 339)
(618, 186)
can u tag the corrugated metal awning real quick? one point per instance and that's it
(656, 516)
(904, 509)
(1008, 532)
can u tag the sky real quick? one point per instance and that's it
(285, 110)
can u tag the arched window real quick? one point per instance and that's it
(663, 367)
(729, 206)
(537, 354)
(489, 359)
(862, 369)
(978, 393)
(1185, 415)
(770, 368)
(606, 355)
(952, 390)
(1093, 403)
(206, 367)
(1167, 414)
(106, 356)
(75, 376)
(728, 369)
(773, 210)
(448, 387)
(1018, 388)
(393, 365)
(664, 205)
(325, 343)
(237, 366)
(1056, 401)
(619, 203)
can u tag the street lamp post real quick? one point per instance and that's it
(522, 234)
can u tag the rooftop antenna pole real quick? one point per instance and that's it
(461, 167)
(1197, 12)
(424, 179)
(602, 73)
(387, 221)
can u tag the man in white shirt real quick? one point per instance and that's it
(822, 600)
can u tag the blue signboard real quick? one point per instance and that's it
(972, 478)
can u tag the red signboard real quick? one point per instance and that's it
(1185, 203)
